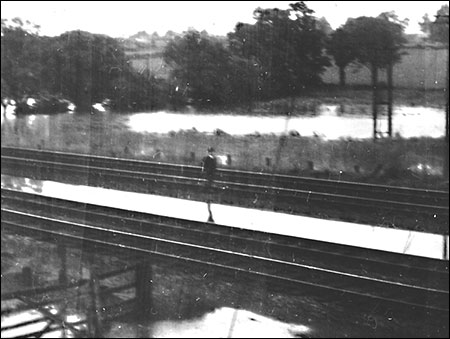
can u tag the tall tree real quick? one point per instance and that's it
(341, 47)
(287, 46)
(88, 67)
(201, 67)
(377, 41)
(80, 66)
(20, 58)
(324, 26)
(377, 44)
(437, 28)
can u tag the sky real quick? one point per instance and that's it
(125, 18)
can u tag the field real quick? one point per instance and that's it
(415, 162)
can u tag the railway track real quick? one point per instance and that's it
(362, 273)
(281, 189)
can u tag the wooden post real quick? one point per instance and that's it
(144, 288)
(93, 317)
(62, 277)
(94, 307)
(390, 89)
(374, 99)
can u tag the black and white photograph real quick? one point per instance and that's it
(225, 169)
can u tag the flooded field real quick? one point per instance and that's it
(329, 122)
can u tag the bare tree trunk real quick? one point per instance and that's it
(374, 99)
(390, 71)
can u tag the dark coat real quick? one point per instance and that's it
(209, 165)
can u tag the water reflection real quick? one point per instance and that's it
(224, 322)
(328, 121)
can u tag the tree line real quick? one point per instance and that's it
(282, 54)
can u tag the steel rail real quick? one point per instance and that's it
(253, 261)
(353, 285)
(426, 197)
(187, 229)
(293, 195)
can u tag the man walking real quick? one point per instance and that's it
(209, 165)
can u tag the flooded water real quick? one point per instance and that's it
(328, 122)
